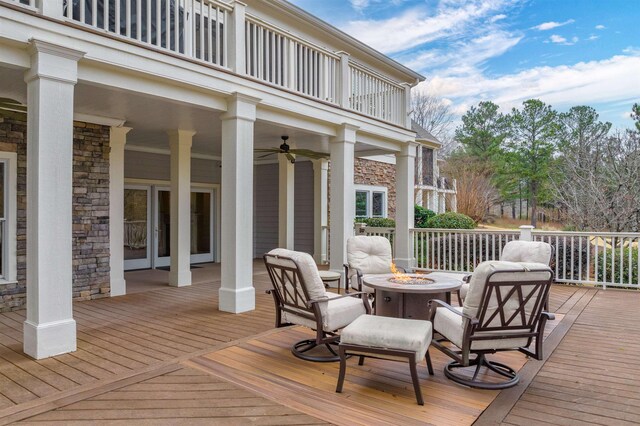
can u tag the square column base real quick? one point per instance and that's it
(237, 301)
(118, 287)
(180, 279)
(49, 339)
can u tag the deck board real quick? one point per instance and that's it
(593, 376)
(165, 356)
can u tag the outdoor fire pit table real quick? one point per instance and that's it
(409, 299)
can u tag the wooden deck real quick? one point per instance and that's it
(165, 355)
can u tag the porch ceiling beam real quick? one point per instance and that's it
(295, 121)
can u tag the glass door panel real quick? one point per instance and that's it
(163, 228)
(136, 228)
(202, 226)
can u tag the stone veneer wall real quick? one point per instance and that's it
(369, 172)
(90, 209)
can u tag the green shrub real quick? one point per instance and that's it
(615, 275)
(451, 220)
(377, 222)
(421, 216)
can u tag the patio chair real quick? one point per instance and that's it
(518, 251)
(366, 255)
(503, 311)
(300, 298)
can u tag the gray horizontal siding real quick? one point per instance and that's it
(144, 165)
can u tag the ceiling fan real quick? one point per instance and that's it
(289, 153)
(12, 105)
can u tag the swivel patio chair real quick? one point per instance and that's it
(366, 255)
(300, 298)
(518, 251)
(503, 311)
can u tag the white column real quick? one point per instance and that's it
(236, 292)
(405, 175)
(419, 175)
(286, 202)
(454, 197)
(345, 79)
(117, 141)
(180, 145)
(343, 197)
(526, 232)
(52, 8)
(237, 38)
(50, 328)
(320, 205)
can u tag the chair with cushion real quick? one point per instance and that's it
(503, 311)
(366, 255)
(519, 251)
(301, 299)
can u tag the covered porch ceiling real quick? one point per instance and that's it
(150, 118)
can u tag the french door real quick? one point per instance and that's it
(148, 226)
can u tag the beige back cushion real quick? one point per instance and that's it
(517, 272)
(371, 255)
(307, 267)
(527, 251)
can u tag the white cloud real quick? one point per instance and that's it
(419, 25)
(359, 4)
(561, 40)
(610, 80)
(600, 27)
(498, 18)
(552, 24)
(593, 37)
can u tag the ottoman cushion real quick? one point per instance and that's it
(389, 333)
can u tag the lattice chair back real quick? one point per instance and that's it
(296, 281)
(507, 298)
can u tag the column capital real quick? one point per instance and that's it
(52, 61)
(346, 134)
(181, 137)
(241, 107)
(118, 137)
(407, 150)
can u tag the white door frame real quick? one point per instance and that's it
(146, 262)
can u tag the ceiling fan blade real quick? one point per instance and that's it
(291, 157)
(267, 155)
(310, 154)
(274, 150)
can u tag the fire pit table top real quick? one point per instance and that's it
(433, 282)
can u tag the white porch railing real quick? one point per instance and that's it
(195, 28)
(375, 95)
(597, 258)
(601, 258)
(458, 249)
(28, 3)
(278, 57)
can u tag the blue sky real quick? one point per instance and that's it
(564, 52)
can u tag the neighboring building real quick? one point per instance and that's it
(434, 192)
(136, 149)
(376, 187)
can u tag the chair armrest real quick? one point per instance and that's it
(550, 316)
(432, 311)
(467, 278)
(365, 299)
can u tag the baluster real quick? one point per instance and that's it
(138, 20)
(218, 39)
(105, 15)
(148, 32)
(117, 20)
(201, 50)
(167, 23)
(82, 12)
(127, 16)
(158, 42)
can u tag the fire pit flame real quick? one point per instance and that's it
(402, 278)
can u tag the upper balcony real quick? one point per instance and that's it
(273, 42)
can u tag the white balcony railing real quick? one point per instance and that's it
(375, 95)
(227, 35)
(194, 28)
(278, 57)
(604, 259)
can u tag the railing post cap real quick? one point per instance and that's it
(527, 227)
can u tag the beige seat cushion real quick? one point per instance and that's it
(389, 333)
(527, 251)
(336, 313)
(450, 325)
(464, 290)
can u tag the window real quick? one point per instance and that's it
(8, 208)
(371, 201)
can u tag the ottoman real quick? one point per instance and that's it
(395, 339)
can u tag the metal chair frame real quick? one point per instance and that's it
(290, 295)
(511, 326)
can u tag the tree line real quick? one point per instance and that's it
(571, 161)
